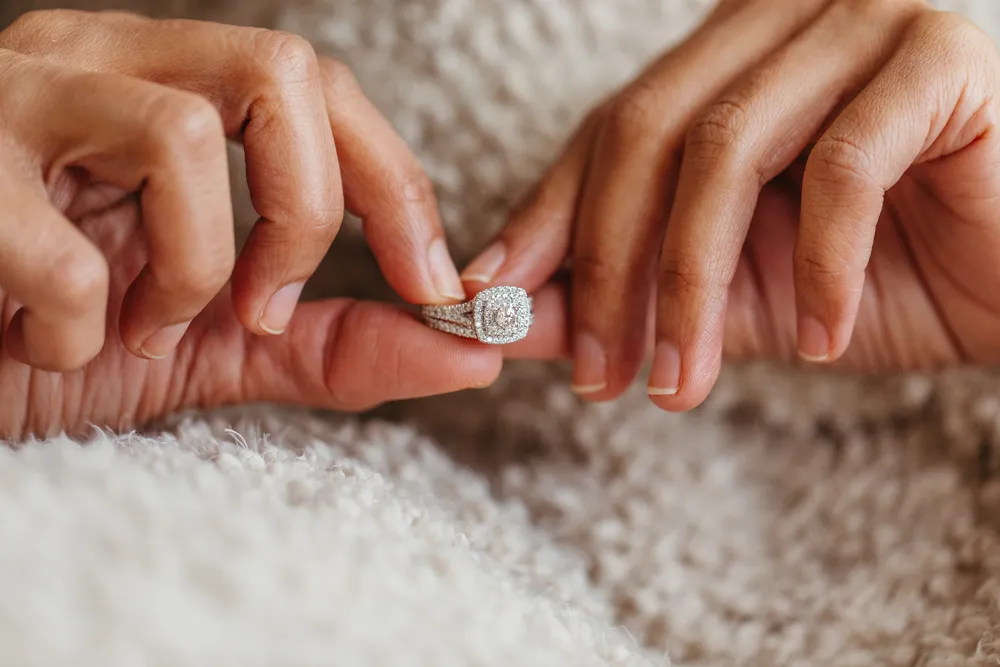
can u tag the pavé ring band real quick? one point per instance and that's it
(496, 316)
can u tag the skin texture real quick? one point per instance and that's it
(120, 293)
(763, 192)
(758, 192)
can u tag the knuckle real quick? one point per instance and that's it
(63, 356)
(123, 15)
(417, 187)
(683, 273)
(596, 268)
(839, 161)
(819, 268)
(313, 217)
(719, 131)
(321, 216)
(79, 278)
(951, 32)
(186, 123)
(25, 26)
(635, 114)
(77, 354)
(540, 209)
(21, 78)
(866, 7)
(286, 58)
(337, 76)
(37, 25)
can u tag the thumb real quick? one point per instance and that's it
(340, 354)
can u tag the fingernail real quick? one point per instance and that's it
(814, 340)
(443, 271)
(278, 312)
(590, 365)
(665, 377)
(162, 343)
(485, 267)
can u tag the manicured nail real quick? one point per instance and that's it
(484, 268)
(162, 343)
(443, 272)
(590, 365)
(665, 377)
(814, 340)
(278, 312)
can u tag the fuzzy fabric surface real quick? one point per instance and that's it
(793, 520)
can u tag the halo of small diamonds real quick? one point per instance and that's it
(502, 315)
(497, 316)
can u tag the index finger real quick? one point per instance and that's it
(385, 185)
(267, 88)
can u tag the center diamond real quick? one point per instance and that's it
(502, 315)
(505, 316)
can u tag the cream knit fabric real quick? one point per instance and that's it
(794, 520)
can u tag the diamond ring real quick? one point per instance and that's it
(496, 316)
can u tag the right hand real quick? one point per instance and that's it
(117, 240)
(799, 180)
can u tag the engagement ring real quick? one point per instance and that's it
(497, 316)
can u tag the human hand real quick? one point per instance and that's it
(801, 178)
(117, 240)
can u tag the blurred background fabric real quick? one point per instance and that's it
(795, 519)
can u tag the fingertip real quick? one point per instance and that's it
(488, 371)
(665, 375)
(813, 340)
(686, 397)
(250, 300)
(484, 268)
(54, 347)
(162, 343)
(680, 402)
(679, 382)
(276, 315)
(588, 390)
(404, 358)
(352, 355)
(590, 365)
(134, 327)
(438, 363)
(418, 271)
(444, 275)
(823, 339)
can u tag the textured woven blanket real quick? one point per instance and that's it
(793, 520)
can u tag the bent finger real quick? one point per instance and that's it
(266, 87)
(536, 242)
(385, 186)
(630, 189)
(168, 144)
(58, 275)
(749, 135)
(889, 126)
(549, 338)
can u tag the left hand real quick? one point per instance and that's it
(121, 296)
(810, 176)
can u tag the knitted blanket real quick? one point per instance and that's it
(795, 519)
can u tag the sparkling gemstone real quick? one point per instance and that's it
(504, 316)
